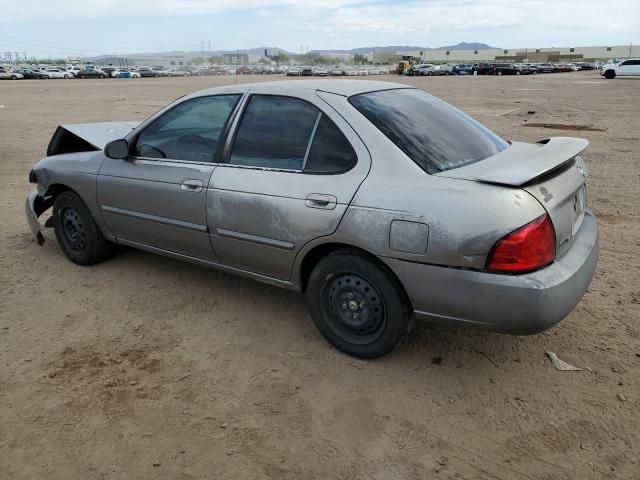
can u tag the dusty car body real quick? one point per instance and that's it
(382, 226)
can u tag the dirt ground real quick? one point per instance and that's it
(147, 368)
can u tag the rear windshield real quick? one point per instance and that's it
(432, 133)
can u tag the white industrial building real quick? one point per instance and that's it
(532, 54)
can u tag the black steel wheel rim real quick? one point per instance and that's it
(354, 308)
(73, 229)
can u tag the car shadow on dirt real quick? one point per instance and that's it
(426, 342)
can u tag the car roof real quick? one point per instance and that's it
(291, 87)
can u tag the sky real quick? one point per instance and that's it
(61, 28)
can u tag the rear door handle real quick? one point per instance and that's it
(191, 185)
(321, 200)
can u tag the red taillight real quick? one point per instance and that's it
(527, 248)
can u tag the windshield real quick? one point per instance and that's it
(432, 133)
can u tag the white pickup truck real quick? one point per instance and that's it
(630, 66)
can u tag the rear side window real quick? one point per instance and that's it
(330, 151)
(432, 133)
(274, 133)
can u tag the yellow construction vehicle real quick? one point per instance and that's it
(404, 65)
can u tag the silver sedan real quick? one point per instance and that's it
(377, 201)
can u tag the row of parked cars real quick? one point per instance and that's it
(90, 71)
(428, 69)
(336, 71)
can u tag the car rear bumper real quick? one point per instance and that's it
(517, 304)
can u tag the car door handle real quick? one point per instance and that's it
(191, 185)
(321, 200)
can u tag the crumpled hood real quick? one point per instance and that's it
(99, 134)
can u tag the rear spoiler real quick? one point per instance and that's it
(522, 163)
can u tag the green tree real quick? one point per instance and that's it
(216, 59)
(197, 61)
(359, 59)
(283, 58)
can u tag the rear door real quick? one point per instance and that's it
(629, 67)
(290, 172)
(157, 196)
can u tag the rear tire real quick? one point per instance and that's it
(78, 235)
(357, 304)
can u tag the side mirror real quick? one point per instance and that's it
(117, 149)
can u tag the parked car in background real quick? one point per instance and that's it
(585, 65)
(485, 68)
(91, 73)
(524, 69)
(630, 67)
(126, 73)
(177, 72)
(415, 70)
(435, 70)
(462, 69)
(546, 68)
(211, 71)
(30, 74)
(10, 75)
(73, 71)
(532, 67)
(563, 67)
(390, 205)
(147, 72)
(294, 72)
(109, 70)
(320, 71)
(243, 70)
(337, 71)
(56, 73)
(506, 69)
(306, 71)
(350, 72)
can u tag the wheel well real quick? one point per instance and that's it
(316, 254)
(56, 189)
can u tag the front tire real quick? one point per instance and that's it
(610, 74)
(78, 235)
(357, 304)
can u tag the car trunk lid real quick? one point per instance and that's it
(550, 170)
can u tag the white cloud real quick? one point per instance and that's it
(349, 23)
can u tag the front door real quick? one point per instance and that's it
(289, 174)
(157, 197)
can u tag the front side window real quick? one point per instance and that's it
(432, 133)
(190, 131)
(274, 133)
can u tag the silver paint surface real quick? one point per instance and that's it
(434, 231)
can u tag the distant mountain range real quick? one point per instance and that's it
(409, 48)
(258, 52)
